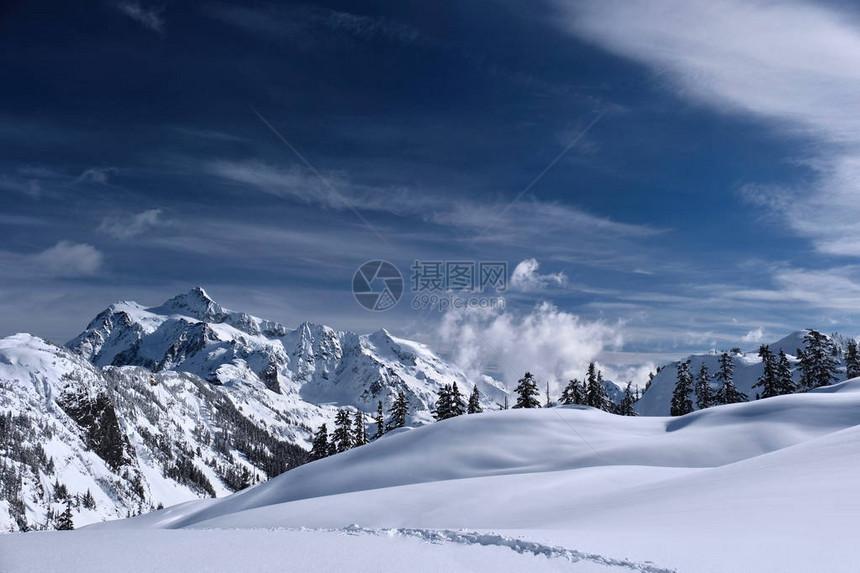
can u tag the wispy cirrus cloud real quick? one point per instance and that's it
(128, 226)
(305, 26)
(579, 234)
(98, 174)
(150, 17)
(835, 289)
(791, 65)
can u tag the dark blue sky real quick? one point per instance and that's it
(708, 206)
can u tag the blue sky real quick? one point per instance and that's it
(712, 204)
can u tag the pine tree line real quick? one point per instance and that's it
(351, 431)
(818, 364)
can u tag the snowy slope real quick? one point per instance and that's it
(760, 486)
(199, 401)
(131, 444)
(748, 368)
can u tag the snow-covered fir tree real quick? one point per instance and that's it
(65, 520)
(704, 394)
(319, 446)
(359, 431)
(380, 421)
(443, 403)
(727, 393)
(768, 381)
(852, 360)
(818, 361)
(784, 378)
(681, 397)
(573, 393)
(595, 393)
(88, 501)
(458, 405)
(474, 405)
(527, 392)
(399, 411)
(342, 435)
(626, 407)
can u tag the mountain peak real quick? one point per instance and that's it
(195, 303)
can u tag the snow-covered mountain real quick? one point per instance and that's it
(313, 363)
(748, 368)
(154, 406)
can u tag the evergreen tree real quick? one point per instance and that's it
(64, 520)
(626, 408)
(359, 432)
(60, 491)
(817, 361)
(443, 403)
(852, 360)
(380, 421)
(681, 402)
(458, 405)
(577, 392)
(89, 501)
(319, 446)
(595, 393)
(704, 395)
(768, 381)
(785, 383)
(399, 411)
(727, 393)
(474, 406)
(572, 393)
(342, 435)
(527, 392)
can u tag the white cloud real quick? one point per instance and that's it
(147, 16)
(29, 187)
(791, 64)
(754, 336)
(831, 289)
(98, 174)
(126, 227)
(568, 233)
(526, 277)
(552, 344)
(292, 183)
(67, 259)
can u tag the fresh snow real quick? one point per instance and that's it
(310, 551)
(762, 486)
(213, 369)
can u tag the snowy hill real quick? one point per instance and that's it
(154, 406)
(765, 486)
(748, 368)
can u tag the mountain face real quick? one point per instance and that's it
(314, 363)
(155, 406)
(748, 368)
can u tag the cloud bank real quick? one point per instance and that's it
(792, 65)
(552, 344)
